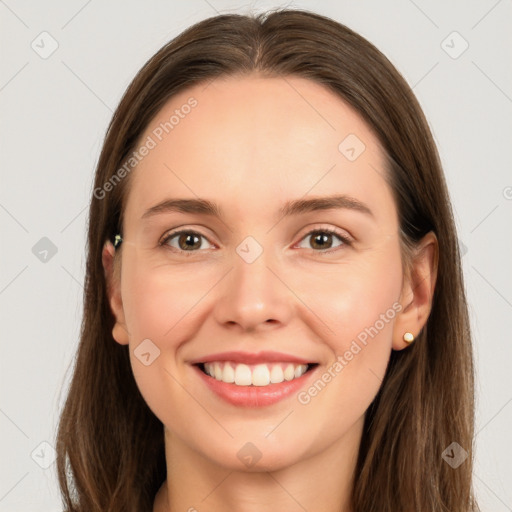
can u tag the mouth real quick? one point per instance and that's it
(254, 375)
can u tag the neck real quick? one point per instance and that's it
(320, 483)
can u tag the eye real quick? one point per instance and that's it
(192, 241)
(186, 240)
(322, 239)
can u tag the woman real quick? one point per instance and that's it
(274, 313)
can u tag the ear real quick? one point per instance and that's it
(417, 291)
(113, 280)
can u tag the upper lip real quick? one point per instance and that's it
(251, 358)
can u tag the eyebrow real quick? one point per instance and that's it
(290, 208)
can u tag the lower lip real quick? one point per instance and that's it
(254, 396)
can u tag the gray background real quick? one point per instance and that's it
(55, 109)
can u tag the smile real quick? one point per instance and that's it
(254, 375)
(257, 385)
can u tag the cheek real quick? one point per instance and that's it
(360, 305)
(366, 308)
(157, 301)
(159, 307)
(357, 297)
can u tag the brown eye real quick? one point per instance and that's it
(187, 241)
(322, 239)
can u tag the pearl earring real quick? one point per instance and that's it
(408, 337)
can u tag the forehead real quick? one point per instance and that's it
(248, 140)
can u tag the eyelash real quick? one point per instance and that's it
(346, 241)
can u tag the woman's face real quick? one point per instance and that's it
(272, 274)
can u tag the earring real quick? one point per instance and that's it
(408, 337)
(117, 241)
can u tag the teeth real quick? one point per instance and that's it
(261, 375)
(228, 374)
(242, 374)
(276, 374)
(255, 375)
(289, 372)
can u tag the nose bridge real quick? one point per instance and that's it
(252, 294)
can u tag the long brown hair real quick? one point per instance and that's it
(110, 446)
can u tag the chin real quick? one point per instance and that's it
(257, 457)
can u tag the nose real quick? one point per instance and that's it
(253, 296)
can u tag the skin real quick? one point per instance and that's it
(251, 144)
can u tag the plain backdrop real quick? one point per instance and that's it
(64, 67)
